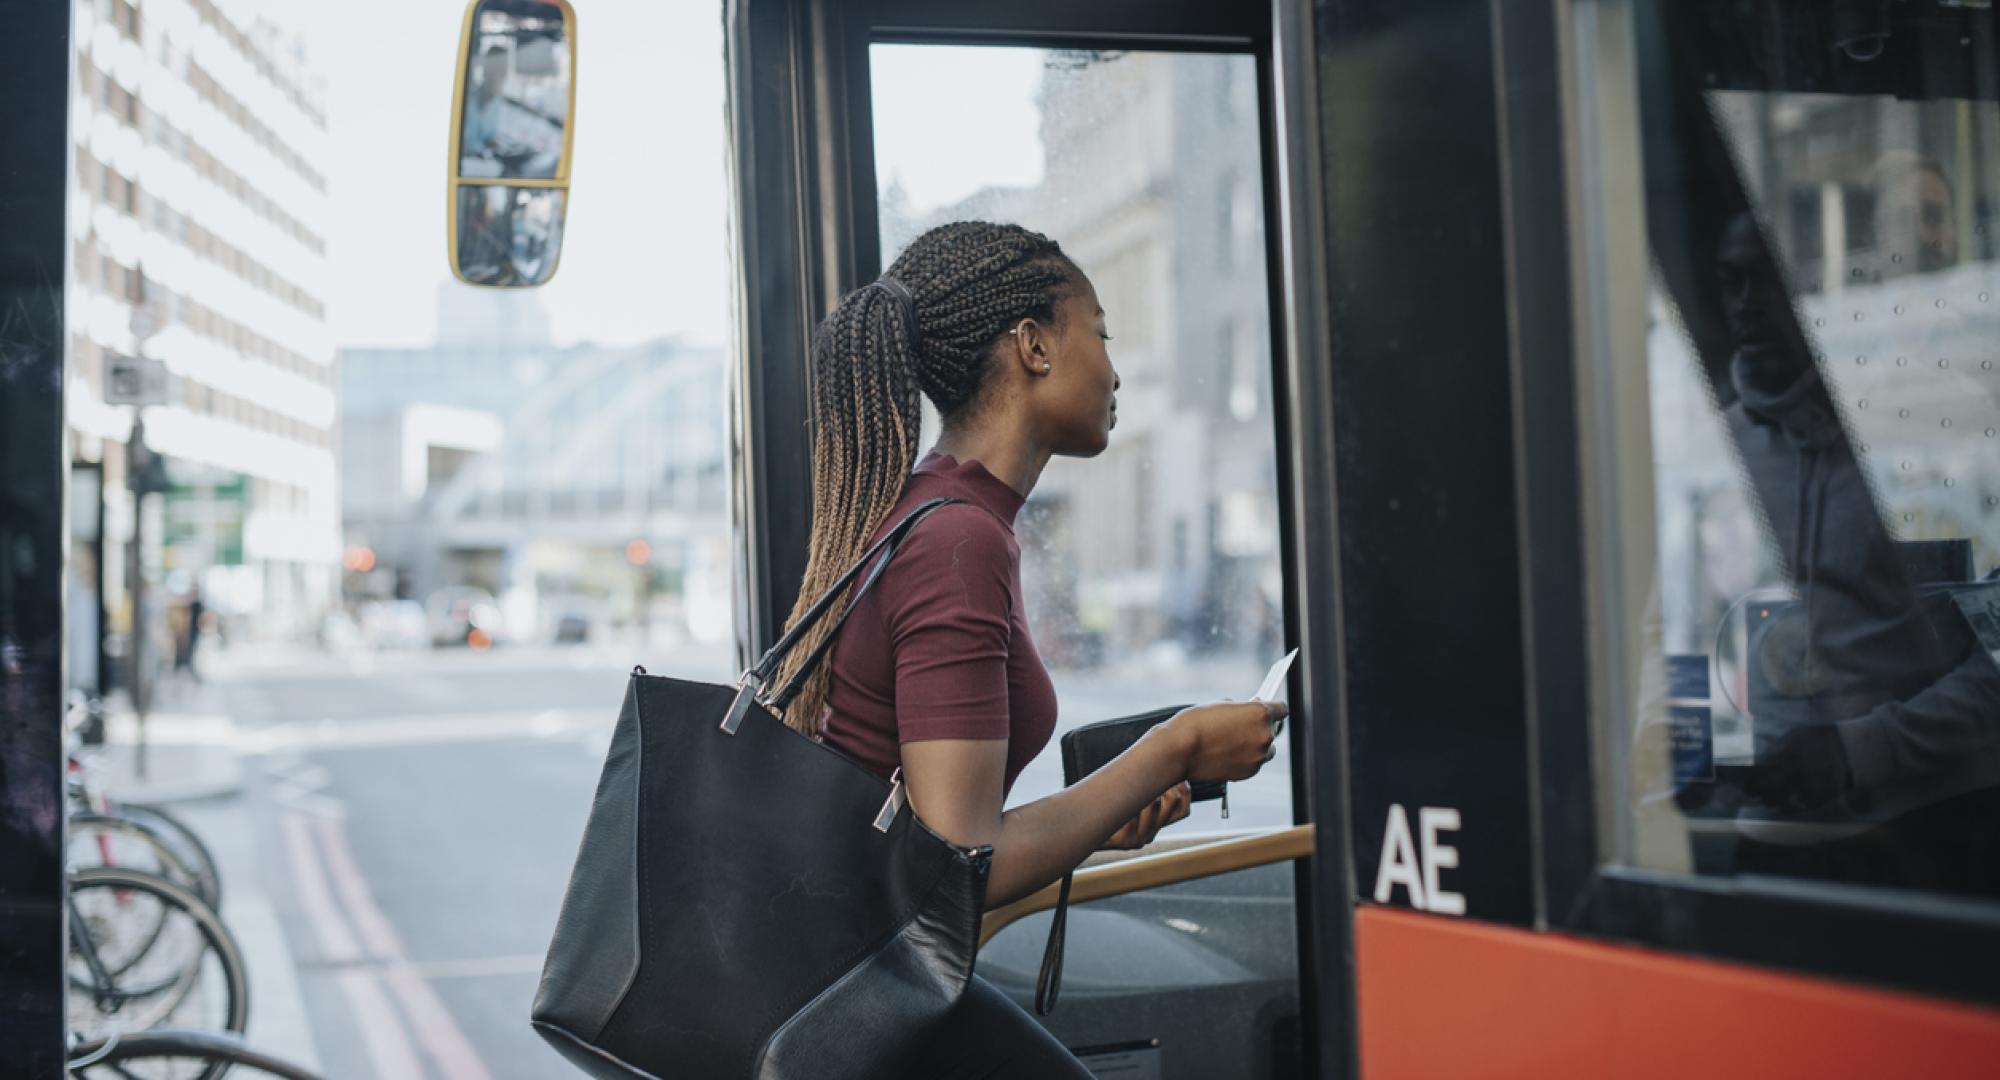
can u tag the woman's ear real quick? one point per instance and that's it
(1033, 346)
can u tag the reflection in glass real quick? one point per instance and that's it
(1151, 572)
(508, 235)
(517, 90)
(1819, 695)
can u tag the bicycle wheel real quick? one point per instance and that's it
(132, 843)
(144, 952)
(187, 844)
(170, 1054)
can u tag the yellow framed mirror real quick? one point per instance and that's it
(512, 124)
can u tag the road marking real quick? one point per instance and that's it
(550, 724)
(389, 1047)
(432, 688)
(328, 734)
(481, 967)
(336, 940)
(437, 1032)
(376, 933)
(298, 784)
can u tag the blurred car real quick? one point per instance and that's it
(570, 617)
(572, 628)
(463, 615)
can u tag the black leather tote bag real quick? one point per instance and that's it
(747, 902)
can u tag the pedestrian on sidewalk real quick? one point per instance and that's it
(187, 635)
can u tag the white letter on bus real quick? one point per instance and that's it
(1399, 861)
(1430, 821)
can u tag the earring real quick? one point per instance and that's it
(1045, 368)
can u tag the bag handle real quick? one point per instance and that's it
(767, 667)
(1049, 983)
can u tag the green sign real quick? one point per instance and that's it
(204, 519)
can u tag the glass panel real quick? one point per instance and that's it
(517, 91)
(508, 235)
(1793, 235)
(1152, 571)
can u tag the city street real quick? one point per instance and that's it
(396, 830)
(411, 819)
(1604, 398)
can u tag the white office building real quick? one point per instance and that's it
(198, 225)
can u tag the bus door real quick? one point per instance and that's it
(1666, 396)
(1166, 571)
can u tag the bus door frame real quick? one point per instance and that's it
(1474, 108)
(34, 533)
(805, 218)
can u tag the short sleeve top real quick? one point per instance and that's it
(939, 648)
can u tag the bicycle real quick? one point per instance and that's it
(145, 950)
(139, 841)
(173, 1054)
(135, 834)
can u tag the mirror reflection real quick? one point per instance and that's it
(508, 235)
(516, 96)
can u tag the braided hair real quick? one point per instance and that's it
(968, 283)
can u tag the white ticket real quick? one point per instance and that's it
(1274, 686)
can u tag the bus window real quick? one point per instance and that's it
(1152, 572)
(1796, 277)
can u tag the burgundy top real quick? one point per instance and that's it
(939, 648)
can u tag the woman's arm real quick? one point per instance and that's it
(956, 787)
(947, 600)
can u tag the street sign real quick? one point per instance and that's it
(204, 514)
(145, 322)
(133, 380)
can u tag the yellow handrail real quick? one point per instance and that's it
(1165, 868)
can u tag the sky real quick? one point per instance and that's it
(646, 250)
(923, 137)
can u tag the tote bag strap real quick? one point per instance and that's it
(1049, 983)
(767, 668)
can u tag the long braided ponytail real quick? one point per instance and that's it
(968, 283)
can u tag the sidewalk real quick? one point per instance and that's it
(189, 753)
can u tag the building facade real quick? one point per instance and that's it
(573, 481)
(198, 234)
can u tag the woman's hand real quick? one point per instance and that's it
(1164, 811)
(1228, 740)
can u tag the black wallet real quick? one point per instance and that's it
(1086, 749)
